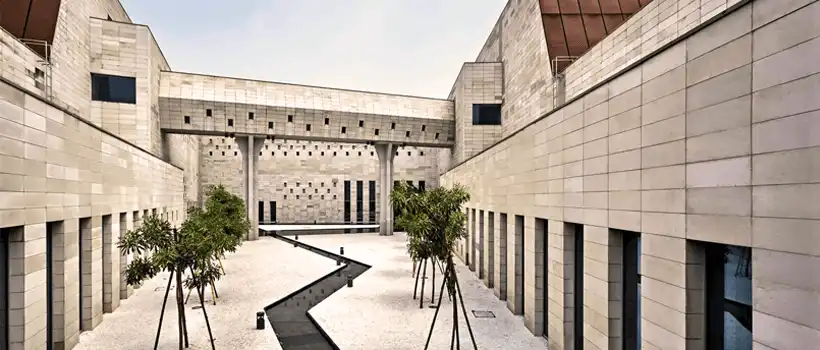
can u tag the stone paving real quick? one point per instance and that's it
(379, 311)
(258, 274)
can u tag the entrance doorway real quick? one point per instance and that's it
(4, 289)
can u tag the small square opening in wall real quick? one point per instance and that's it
(210, 153)
(286, 153)
(421, 153)
(223, 153)
(334, 154)
(297, 153)
(424, 128)
(297, 196)
(260, 153)
(344, 130)
(361, 123)
(360, 154)
(250, 115)
(334, 196)
(286, 196)
(187, 120)
(407, 134)
(347, 153)
(235, 153)
(310, 196)
(392, 126)
(327, 121)
(270, 125)
(436, 136)
(230, 122)
(371, 154)
(290, 118)
(323, 153)
(209, 113)
(307, 127)
(376, 132)
(310, 153)
(408, 154)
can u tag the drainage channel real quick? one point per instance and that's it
(289, 317)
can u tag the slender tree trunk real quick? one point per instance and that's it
(181, 311)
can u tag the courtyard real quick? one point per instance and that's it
(378, 312)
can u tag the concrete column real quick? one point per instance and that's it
(66, 289)
(27, 288)
(92, 276)
(386, 153)
(111, 263)
(125, 225)
(250, 147)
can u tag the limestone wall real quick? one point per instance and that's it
(306, 179)
(477, 83)
(709, 141)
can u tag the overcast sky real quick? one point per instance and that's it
(413, 47)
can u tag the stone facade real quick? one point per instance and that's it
(705, 141)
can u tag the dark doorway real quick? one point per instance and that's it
(491, 249)
(631, 290)
(422, 186)
(347, 205)
(5, 263)
(52, 229)
(359, 203)
(261, 214)
(371, 201)
(481, 243)
(728, 297)
(541, 230)
(272, 212)
(578, 285)
(518, 249)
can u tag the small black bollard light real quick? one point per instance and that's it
(342, 250)
(349, 281)
(338, 262)
(297, 237)
(260, 320)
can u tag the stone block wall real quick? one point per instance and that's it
(709, 141)
(61, 175)
(477, 83)
(306, 179)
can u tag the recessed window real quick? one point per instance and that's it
(310, 184)
(397, 153)
(486, 114)
(187, 120)
(407, 134)
(250, 115)
(360, 154)
(322, 184)
(392, 126)
(210, 113)
(310, 153)
(323, 153)
(290, 118)
(310, 196)
(286, 184)
(371, 154)
(235, 154)
(327, 121)
(297, 153)
(361, 123)
(210, 153)
(223, 153)
(421, 153)
(347, 153)
(334, 154)
(334, 196)
(270, 125)
(424, 128)
(272, 154)
(307, 127)
(230, 122)
(279, 147)
(436, 136)
(323, 197)
(286, 153)
(286, 196)
(408, 154)
(344, 130)
(328, 190)
(260, 153)
(297, 196)
(113, 88)
(376, 132)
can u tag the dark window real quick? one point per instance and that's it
(578, 287)
(485, 114)
(327, 121)
(250, 115)
(361, 123)
(187, 120)
(310, 153)
(270, 125)
(408, 154)
(359, 201)
(323, 153)
(261, 213)
(344, 130)
(421, 186)
(297, 153)
(371, 201)
(347, 202)
(376, 132)
(728, 297)
(421, 153)
(113, 88)
(4, 288)
(290, 118)
(631, 290)
(230, 122)
(210, 153)
(273, 211)
(360, 154)
(307, 127)
(210, 113)
(424, 128)
(436, 136)
(392, 126)
(347, 153)
(407, 134)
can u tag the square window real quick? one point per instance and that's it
(270, 125)
(112, 88)
(211, 153)
(334, 154)
(323, 153)
(223, 153)
(250, 115)
(286, 196)
(310, 153)
(347, 153)
(290, 118)
(392, 126)
(361, 123)
(187, 120)
(424, 128)
(436, 136)
(286, 153)
(327, 121)
(344, 130)
(209, 113)
(360, 154)
(376, 132)
(421, 153)
(486, 114)
(408, 154)
(407, 134)
(230, 122)
(307, 127)
(297, 153)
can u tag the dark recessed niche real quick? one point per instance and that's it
(235, 153)
(397, 153)
(323, 153)
(310, 153)
(327, 121)
(376, 132)
(347, 153)
(297, 153)
(223, 153)
(322, 184)
(328, 190)
(223, 140)
(286, 184)
(334, 154)
(250, 115)
(307, 127)
(360, 154)
(310, 184)
(260, 153)
(310, 196)
(286, 196)
(424, 128)
(361, 123)
(211, 153)
(270, 125)
(187, 120)
(272, 154)
(279, 147)
(408, 154)
(407, 134)
(371, 154)
(334, 196)
(436, 136)
(297, 196)
(290, 118)
(392, 126)
(286, 153)
(421, 153)
(209, 113)
(230, 122)
(344, 130)
(322, 197)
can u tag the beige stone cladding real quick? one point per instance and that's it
(518, 40)
(306, 179)
(477, 83)
(711, 140)
(62, 182)
(192, 103)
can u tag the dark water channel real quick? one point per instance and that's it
(293, 326)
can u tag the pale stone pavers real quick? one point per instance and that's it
(380, 313)
(258, 274)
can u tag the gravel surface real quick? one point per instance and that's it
(258, 274)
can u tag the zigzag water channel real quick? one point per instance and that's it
(289, 316)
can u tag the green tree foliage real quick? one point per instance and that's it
(433, 219)
(195, 247)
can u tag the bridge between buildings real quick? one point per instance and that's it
(252, 111)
